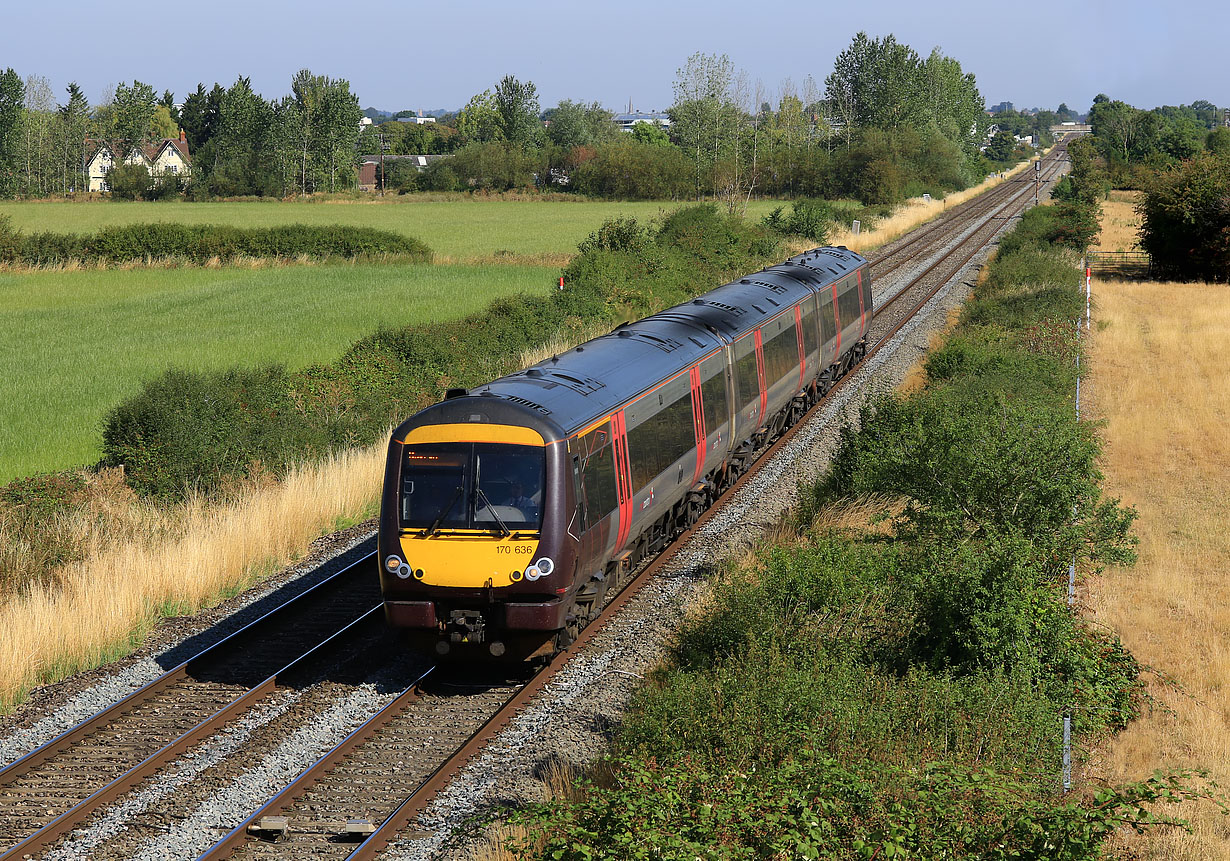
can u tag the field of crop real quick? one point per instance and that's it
(466, 230)
(76, 343)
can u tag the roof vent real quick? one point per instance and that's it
(533, 372)
(455, 393)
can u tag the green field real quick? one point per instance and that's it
(76, 343)
(456, 229)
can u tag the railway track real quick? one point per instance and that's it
(371, 787)
(55, 787)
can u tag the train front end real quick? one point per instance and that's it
(476, 553)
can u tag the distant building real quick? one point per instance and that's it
(628, 121)
(369, 167)
(417, 120)
(168, 156)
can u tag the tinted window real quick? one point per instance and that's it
(660, 440)
(828, 326)
(867, 292)
(713, 394)
(847, 302)
(810, 338)
(747, 385)
(781, 355)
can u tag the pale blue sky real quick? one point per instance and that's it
(430, 55)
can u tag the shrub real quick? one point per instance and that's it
(809, 218)
(129, 182)
(1186, 219)
(634, 170)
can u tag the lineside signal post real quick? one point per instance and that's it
(1037, 180)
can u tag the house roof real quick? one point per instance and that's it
(150, 150)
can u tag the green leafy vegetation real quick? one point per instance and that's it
(1186, 219)
(205, 243)
(891, 682)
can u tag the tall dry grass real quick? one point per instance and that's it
(1160, 371)
(177, 562)
(914, 212)
(1120, 223)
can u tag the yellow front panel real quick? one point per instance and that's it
(470, 562)
(475, 432)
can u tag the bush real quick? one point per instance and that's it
(634, 170)
(808, 218)
(202, 243)
(129, 182)
(1186, 219)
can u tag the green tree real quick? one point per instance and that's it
(132, 113)
(38, 163)
(71, 131)
(516, 106)
(1001, 147)
(650, 134)
(12, 99)
(953, 101)
(1218, 141)
(703, 114)
(1185, 223)
(199, 115)
(878, 82)
(572, 124)
(479, 120)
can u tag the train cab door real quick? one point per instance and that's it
(862, 305)
(698, 423)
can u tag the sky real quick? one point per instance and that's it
(437, 55)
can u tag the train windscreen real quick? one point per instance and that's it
(464, 485)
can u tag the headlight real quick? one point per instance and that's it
(392, 563)
(404, 571)
(532, 573)
(545, 566)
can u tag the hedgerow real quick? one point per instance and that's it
(205, 243)
(898, 690)
(199, 429)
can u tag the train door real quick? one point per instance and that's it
(747, 386)
(764, 389)
(716, 403)
(594, 459)
(623, 479)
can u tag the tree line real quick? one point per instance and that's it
(240, 142)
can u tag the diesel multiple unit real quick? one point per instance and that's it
(510, 510)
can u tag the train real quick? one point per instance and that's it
(510, 511)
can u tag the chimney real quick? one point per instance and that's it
(182, 135)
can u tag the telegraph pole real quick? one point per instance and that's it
(1037, 180)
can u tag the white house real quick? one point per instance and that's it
(160, 158)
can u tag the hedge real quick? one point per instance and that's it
(203, 243)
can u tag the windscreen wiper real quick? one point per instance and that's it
(487, 502)
(435, 524)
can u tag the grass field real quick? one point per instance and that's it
(76, 343)
(466, 230)
(1159, 382)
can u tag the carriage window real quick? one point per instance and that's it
(847, 302)
(828, 324)
(713, 393)
(598, 478)
(747, 385)
(809, 328)
(660, 440)
(781, 355)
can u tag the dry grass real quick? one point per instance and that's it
(1120, 223)
(1159, 380)
(912, 213)
(184, 559)
(561, 342)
